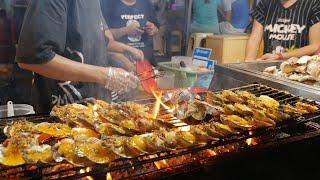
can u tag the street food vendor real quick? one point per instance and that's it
(289, 28)
(65, 42)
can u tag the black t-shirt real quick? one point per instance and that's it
(70, 28)
(286, 29)
(118, 15)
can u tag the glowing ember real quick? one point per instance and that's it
(82, 171)
(251, 141)
(86, 170)
(160, 164)
(109, 177)
(89, 178)
(211, 152)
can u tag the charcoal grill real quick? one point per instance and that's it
(178, 163)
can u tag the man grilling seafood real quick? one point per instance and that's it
(65, 42)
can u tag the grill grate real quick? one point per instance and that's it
(144, 166)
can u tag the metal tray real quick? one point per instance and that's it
(235, 75)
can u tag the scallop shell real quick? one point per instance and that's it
(223, 129)
(235, 122)
(38, 153)
(185, 139)
(287, 67)
(54, 129)
(94, 150)
(135, 146)
(66, 150)
(201, 134)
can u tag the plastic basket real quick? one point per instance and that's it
(183, 78)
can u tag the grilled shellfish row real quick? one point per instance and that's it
(82, 147)
(246, 111)
(103, 132)
(110, 119)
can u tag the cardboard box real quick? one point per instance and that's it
(227, 48)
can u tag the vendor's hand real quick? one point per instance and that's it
(137, 54)
(134, 29)
(269, 57)
(5, 71)
(120, 81)
(151, 28)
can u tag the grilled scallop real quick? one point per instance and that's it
(117, 145)
(66, 150)
(19, 127)
(289, 109)
(201, 134)
(245, 95)
(108, 129)
(306, 107)
(38, 153)
(94, 150)
(231, 96)
(242, 109)
(154, 143)
(135, 146)
(185, 139)
(11, 151)
(79, 133)
(268, 102)
(260, 116)
(236, 122)
(54, 129)
(259, 124)
(170, 139)
(223, 129)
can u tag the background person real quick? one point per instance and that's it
(290, 28)
(237, 12)
(205, 16)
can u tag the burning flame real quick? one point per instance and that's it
(109, 177)
(157, 105)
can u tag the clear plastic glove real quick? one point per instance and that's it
(120, 81)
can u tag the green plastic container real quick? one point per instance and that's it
(183, 78)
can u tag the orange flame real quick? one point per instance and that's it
(109, 177)
(157, 105)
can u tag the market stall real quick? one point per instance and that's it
(189, 118)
